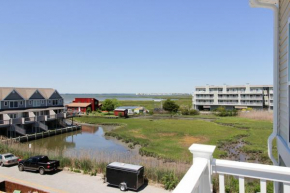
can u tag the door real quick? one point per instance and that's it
(33, 164)
(26, 164)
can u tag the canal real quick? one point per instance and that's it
(88, 142)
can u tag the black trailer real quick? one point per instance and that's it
(125, 176)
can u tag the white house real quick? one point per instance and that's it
(198, 178)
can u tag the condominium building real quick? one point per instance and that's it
(30, 110)
(233, 97)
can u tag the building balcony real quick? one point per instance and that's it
(51, 117)
(251, 98)
(61, 115)
(251, 104)
(204, 103)
(228, 103)
(28, 120)
(4, 123)
(198, 178)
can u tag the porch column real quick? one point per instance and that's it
(205, 152)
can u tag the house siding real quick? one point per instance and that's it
(283, 106)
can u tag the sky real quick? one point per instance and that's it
(133, 46)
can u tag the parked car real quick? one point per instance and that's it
(38, 163)
(125, 176)
(8, 159)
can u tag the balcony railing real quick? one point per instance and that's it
(29, 119)
(4, 122)
(51, 116)
(203, 102)
(198, 177)
(228, 103)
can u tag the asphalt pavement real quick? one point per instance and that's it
(65, 182)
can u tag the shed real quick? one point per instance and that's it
(124, 112)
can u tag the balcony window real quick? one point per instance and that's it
(30, 102)
(5, 103)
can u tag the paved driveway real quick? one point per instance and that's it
(64, 182)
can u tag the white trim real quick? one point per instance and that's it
(288, 85)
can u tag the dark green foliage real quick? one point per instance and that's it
(120, 114)
(184, 111)
(222, 112)
(89, 110)
(169, 181)
(194, 112)
(108, 105)
(170, 106)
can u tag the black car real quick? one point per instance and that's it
(38, 163)
(125, 176)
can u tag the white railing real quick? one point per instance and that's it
(198, 177)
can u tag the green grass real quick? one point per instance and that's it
(182, 101)
(170, 138)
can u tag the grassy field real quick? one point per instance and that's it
(170, 138)
(182, 101)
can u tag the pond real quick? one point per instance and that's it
(90, 141)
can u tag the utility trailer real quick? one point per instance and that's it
(125, 176)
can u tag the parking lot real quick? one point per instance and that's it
(64, 181)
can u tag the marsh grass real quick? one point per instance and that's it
(257, 115)
(95, 162)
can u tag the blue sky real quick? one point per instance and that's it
(128, 46)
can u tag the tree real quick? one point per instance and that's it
(108, 105)
(170, 106)
(89, 110)
(116, 103)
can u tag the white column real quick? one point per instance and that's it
(241, 185)
(222, 183)
(263, 186)
(286, 187)
(204, 151)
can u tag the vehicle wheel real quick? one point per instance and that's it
(21, 168)
(123, 187)
(41, 171)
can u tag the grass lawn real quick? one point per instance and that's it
(170, 138)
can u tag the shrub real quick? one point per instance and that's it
(184, 111)
(169, 181)
(194, 112)
(222, 112)
(120, 114)
(151, 112)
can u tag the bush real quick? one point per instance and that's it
(194, 112)
(184, 111)
(151, 112)
(222, 112)
(169, 181)
(120, 114)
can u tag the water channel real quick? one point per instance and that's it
(90, 141)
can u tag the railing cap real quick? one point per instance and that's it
(199, 150)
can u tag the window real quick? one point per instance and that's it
(42, 101)
(49, 101)
(36, 103)
(13, 104)
(5, 103)
(30, 102)
(54, 102)
(21, 102)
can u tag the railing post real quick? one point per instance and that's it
(204, 152)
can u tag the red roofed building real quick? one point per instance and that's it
(82, 104)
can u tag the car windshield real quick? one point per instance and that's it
(9, 156)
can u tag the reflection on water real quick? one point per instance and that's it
(89, 139)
